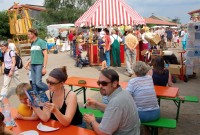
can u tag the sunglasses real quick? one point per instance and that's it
(103, 83)
(51, 83)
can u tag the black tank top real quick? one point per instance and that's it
(77, 117)
(160, 79)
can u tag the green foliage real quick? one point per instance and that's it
(41, 27)
(4, 26)
(151, 25)
(64, 11)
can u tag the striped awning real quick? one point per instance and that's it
(110, 13)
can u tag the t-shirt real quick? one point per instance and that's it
(37, 48)
(8, 59)
(143, 93)
(120, 116)
(70, 36)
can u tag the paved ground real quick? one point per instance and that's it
(189, 119)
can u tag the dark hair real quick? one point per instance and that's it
(1, 117)
(34, 31)
(106, 31)
(158, 64)
(59, 73)
(111, 74)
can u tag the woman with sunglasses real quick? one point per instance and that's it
(63, 105)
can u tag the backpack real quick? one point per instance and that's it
(19, 63)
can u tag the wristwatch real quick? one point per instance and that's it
(91, 124)
(44, 66)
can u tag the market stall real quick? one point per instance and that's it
(108, 13)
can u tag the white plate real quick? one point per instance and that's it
(45, 128)
(30, 132)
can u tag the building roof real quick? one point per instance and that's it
(161, 18)
(159, 22)
(195, 11)
(32, 7)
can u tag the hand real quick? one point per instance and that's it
(19, 116)
(50, 107)
(89, 118)
(91, 102)
(44, 71)
(10, 73)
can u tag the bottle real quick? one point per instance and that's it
(6, 111)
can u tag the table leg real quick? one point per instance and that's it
(84, 94)
(178, 104)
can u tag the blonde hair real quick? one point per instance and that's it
(21, 88)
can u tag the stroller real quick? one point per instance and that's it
(82, 59)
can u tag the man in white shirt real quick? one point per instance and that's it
(115, 47)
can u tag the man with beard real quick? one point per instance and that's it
(120, 114)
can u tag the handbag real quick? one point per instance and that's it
(6, 71)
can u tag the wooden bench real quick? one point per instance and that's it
(160, 123)
(178, 102)
(97, 113)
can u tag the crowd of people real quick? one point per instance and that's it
(126, 108)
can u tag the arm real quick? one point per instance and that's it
(71, 103)
(27, 65)
(12, 70)
(33, 117)
(170, 84)
(96, 105)
(45, 61)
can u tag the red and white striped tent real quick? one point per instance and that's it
(110, 12)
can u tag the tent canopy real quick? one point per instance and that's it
(110, 12)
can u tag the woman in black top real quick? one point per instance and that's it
(160, 75)
(63, 105)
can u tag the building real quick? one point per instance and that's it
(161, 18)
(158, 22)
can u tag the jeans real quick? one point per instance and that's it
(36, 75)
(147, 116)
(107, 58)
(184, 45)
(71, 48)
(74, 48)
(130, 60)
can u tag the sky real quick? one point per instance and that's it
(166, 8)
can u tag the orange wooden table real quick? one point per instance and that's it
(161, 91)
(23, 125)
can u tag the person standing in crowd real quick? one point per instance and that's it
(10, 70)
(74, 44)
(38, 60)
(107, 47)
(130, 42)
(184, 39)
(120, 114)
(11, 45)
(144, 45)
(70, 39)
(115, 44)
(142, 90)
(169, 37)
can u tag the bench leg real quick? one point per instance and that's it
(154, 131)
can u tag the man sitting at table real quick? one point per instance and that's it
(120, 115)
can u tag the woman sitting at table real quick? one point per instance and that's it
(161, 76)
(142, 90)
(63, 105)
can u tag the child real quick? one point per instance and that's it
(175, 39)
(24, 108)
(101, 46)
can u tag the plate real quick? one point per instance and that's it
(30, 132)
(45, 128)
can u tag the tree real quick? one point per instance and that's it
(4, 25)
(64, 11)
